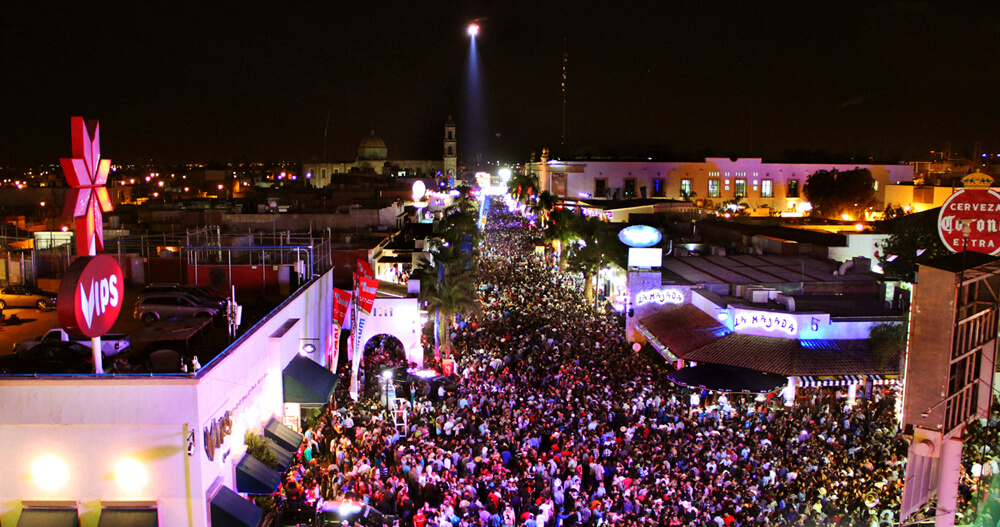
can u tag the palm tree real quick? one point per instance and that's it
(542, 206)
(594, 247)
(448, 288)
(562, 231)
(522, 186)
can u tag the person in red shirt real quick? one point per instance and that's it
(420, 520)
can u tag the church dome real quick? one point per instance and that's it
(372, 147)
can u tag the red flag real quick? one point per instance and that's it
(365, 269)
(341, 303)
(365, 289)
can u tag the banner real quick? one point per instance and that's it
(341, 303)
(333, 350)
(365, 269)
(364, 298)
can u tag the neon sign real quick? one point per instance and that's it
(765, 321)
(660, 296)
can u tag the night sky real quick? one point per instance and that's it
(257, 80)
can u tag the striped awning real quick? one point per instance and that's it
(879, 380)
(830, 380)
(844, 380)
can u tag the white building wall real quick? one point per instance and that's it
(91, 423)
(399, 317)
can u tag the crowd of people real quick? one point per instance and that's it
(557, 422)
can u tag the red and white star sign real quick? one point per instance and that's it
(87, 173)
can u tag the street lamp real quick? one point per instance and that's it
(388, 387)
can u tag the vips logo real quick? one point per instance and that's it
(90, 295)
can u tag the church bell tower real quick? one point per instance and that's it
(450, 151)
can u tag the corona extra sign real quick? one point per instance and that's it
(979, 209)
(90, 295)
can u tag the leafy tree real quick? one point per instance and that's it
(447, 288)
(735, 207)
(887, 341)
(914, 237)
(257, 447)
(522, 186)
(834, 193)
(562, 231)
(542, 206)
(595, 246)
(448, 279)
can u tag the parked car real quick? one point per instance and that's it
(111, 343)
(27, 296)
(50, 357)
(199, 291)
(157, 306)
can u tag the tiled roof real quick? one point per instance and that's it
(794, 357)
(684, 329)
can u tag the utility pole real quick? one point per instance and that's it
(562, 142)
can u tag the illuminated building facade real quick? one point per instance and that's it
(774, 186)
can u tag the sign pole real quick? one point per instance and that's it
(87, 173)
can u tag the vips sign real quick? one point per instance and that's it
(90, 295)
(976, 206)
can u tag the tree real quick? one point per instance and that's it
(887, 342)
(834, 193)
(914, 237)
(542, 206)
(594, 247)
(522, 186)
(562, 231)
(447, 288)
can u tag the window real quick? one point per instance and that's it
(686, 188)
(793, 188)
(451, 150)
(741, 188)
(451, 135)
(658, 190)
(601, 187)
(713, 188)
(766, 190)
(628, 191)
(876, 186)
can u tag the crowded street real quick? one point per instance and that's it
(558, 422)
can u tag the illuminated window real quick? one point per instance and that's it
(658, 190)
(628, 190)
(713, 188)
(686, 188)
(876, 186)
(601, 187)
(741, 188)
(793, 188)
(766, 190)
